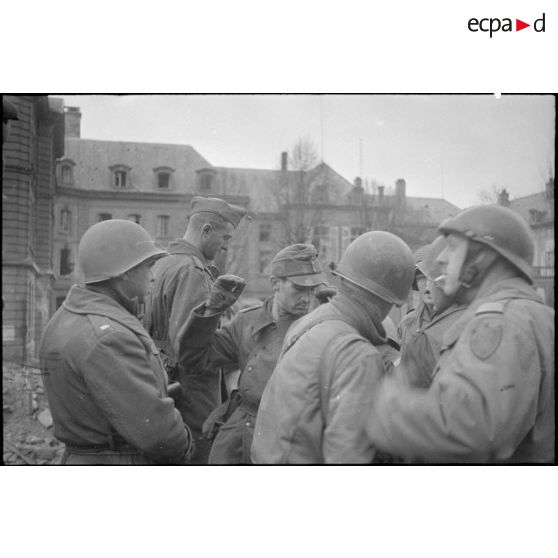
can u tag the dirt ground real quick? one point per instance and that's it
(27, 424)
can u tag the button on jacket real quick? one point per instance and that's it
(492, 396)
(252, 342)
(104, 380)
(183, 280)
(317, 401)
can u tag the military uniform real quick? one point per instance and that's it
(106, 386)
(422, 349)
(251, 341)
(314, 407)
(183, 280)
(413, 322)
(492, 396)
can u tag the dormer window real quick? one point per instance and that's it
(163, 178)
(66, 172)
(120, 176)
(206, 179)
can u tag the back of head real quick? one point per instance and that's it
(499, 228)
(110, 248)
(381, 263)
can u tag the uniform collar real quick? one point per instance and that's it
(81, 300)
(180, 246)
(355, 314)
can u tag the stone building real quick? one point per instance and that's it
(538, 210)
(36, 140)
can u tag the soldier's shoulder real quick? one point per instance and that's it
(101, 325)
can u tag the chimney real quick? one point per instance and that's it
(381, 194)
(504, 198)
(72, 122)
(284, 160)
(400, 188)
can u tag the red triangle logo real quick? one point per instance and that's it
(519, 25)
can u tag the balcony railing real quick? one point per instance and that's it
(544, 271)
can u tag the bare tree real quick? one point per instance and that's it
(489, 195)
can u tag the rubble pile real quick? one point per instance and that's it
(28, 437)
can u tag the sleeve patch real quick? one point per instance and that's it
(486, 338)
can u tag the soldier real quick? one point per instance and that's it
(492, 396)
(251, 342)
(182, 281)
(103, 376)
(422, 314)
(313, 409)
(422, 349)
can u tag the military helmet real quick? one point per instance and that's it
(380, 263)
(111, 247)
(429, 266)
(498, 227)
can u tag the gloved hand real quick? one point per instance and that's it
(224, 293)
(324, 293)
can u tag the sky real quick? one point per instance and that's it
(450, 146)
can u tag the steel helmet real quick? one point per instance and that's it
(111, 247)
(429, 266)
(498, 227)
(380, 263)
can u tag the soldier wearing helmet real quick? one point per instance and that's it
(183, 280)
(251, 342)
(422, 314)
(422, 348)
(313, 407)
(492, 395)
(103, 376)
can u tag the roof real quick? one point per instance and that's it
(94, 158)
(538, 202)
(435, 210)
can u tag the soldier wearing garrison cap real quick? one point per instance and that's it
(491, 399)
(250, 342)
(183, 280)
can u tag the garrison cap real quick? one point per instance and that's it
(9, 112)
(299, 264)
(231, 213)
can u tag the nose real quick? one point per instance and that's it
(442, 257)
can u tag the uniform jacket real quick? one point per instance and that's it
(251, 341)
(104, 379)
(316, 403)
(413, 322)
(492, 396)
(183, 280)
(422, 349)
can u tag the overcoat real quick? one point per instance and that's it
(106, 385)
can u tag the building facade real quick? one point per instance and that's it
(30, 152)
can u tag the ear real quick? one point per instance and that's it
(206, 229)
(274, 283)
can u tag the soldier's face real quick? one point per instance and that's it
(139, 279)
(451, 261)
(439, 300)
(292, 298)
(215, 239)
(424, 289)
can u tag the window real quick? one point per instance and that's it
(265, 232)
(65, 220)
(265, 260)
(67, 177)
(205, 182)
(104, 216)
(66, 265)
(163, 180)
(163, 225)
(135, 217)
(120, 178)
